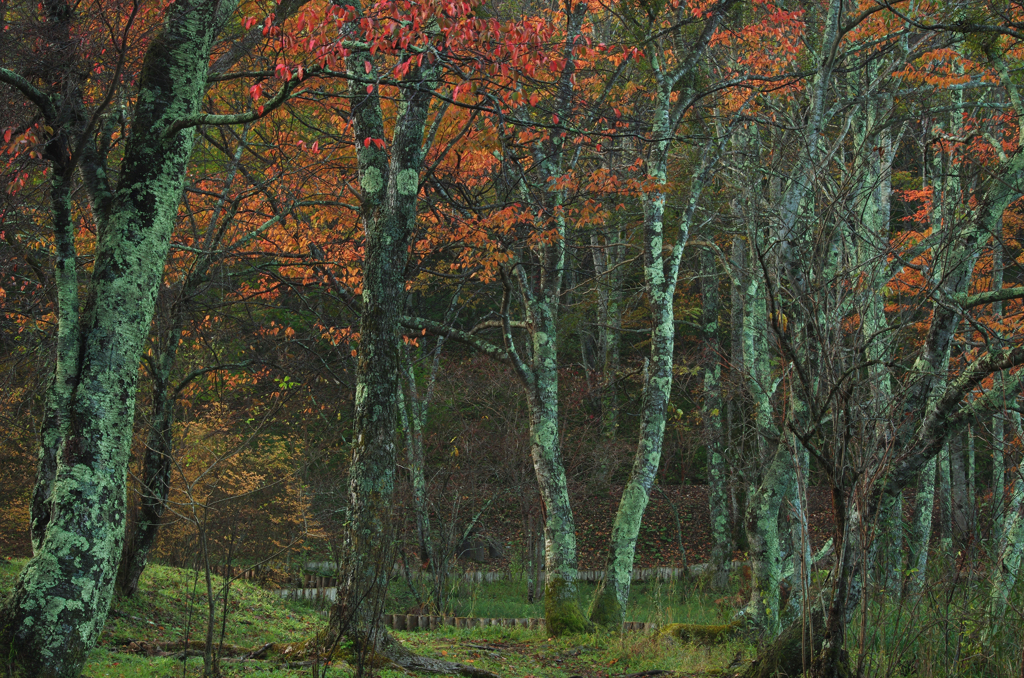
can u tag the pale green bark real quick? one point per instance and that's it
(972, 499)
(538, 371)
(1007, 566)
(59, 393)
(62, 596)
(711, 416)
(765, 497)
(389, 182)
(945, 498)
(661, 272)
(413, 412)
(921, 527)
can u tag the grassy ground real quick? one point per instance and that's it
(170, 608)
(660, 602)
(939, 635)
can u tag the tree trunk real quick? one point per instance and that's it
(61, 598)
(609, 605)
(413, 413)
(59, 392)
(561, 607)
(1007, 566)
(156, 483)
(998, 420)
(711, 415)
(764, 497)
(945, 497)
(389, 192)
(921, 528)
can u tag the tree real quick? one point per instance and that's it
(62, 596)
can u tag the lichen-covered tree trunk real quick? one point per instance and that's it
(561, 607)
(944, 490)
(736, 422)
(389, 184)
(921, 527)
(765, 557)
(62, 384)
(662, 254)
(157, 461)
(609, 605)
(764, 498)
(1007, 565)
(66, 116)
(998, 443)
(711, 415)
(61, 598)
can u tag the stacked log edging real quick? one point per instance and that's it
(594, 576)
(423, 622)
(317, 582)
(260, 573)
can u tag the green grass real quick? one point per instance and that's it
(660, 602)
(169, 607)
(937, 636)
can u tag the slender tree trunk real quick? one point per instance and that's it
(59, 392)
(764, 498)
(561, 607)
(413, 413)
(609, 605)
(711, 414)
(156, 481)
(1007, 565)
(60, 601)
(999, 419)
(921, 527)
(737, 426)
(972, 491)
(945, 496)
(661, 274)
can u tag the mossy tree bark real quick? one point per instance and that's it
(661, 273)
(156, 479)
(63, 111)
(873, 170)
(540, 294)
(389, 184)
(61, 598)
(998, 443)
(711, 417)
(764, 498)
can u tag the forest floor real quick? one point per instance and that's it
(156, 634)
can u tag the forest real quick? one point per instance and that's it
(373, 298)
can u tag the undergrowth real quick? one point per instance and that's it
(935, 636)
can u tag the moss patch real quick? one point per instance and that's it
(705, 634)
(562, 613)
